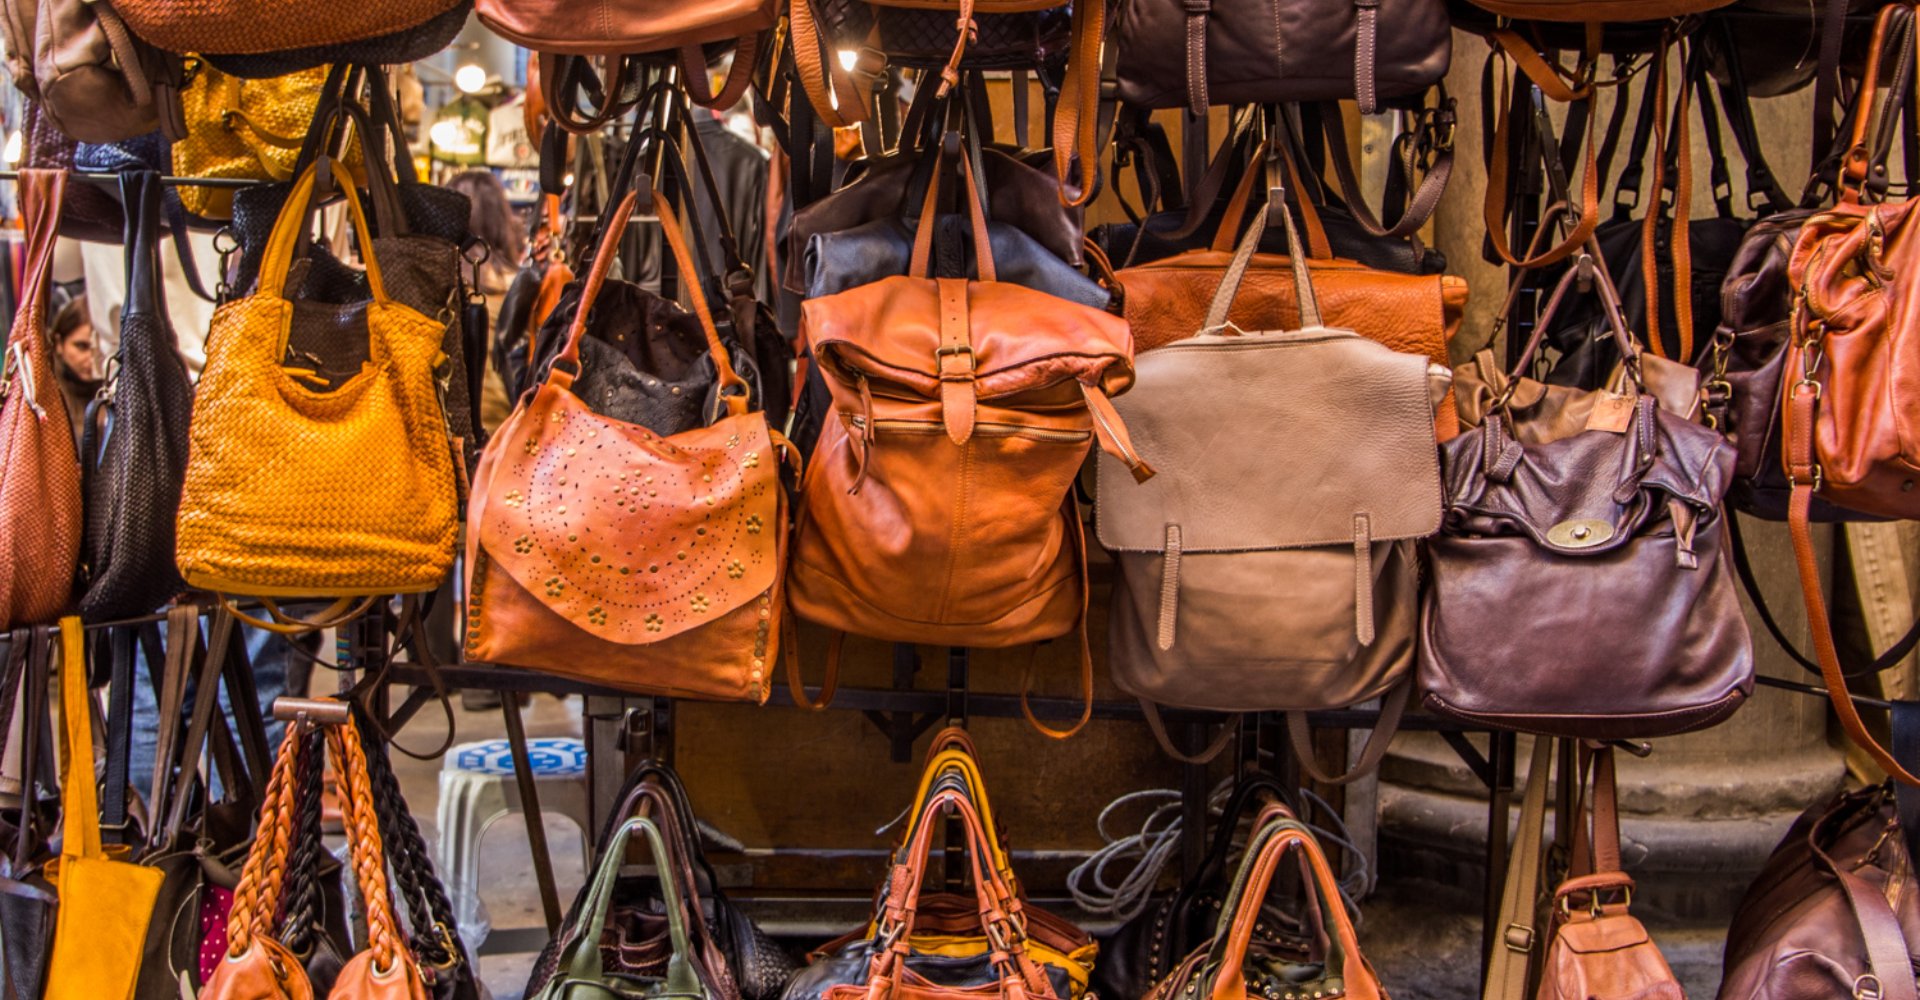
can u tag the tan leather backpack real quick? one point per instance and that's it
(938, 504)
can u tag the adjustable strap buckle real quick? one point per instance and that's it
(1518, 938)
(955, 351)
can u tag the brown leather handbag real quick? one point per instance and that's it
(1194, 54)
(1612, 532)
(1229, 968)
(1163, 300)
(1245, 585)
(1852, 374)
(40, 516)
(259, 26)
(938, 503)
(1591, 11)
(1597, 947)
(92, 78)
(1835, 910)
(600, 550)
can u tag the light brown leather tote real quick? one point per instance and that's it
(1246, 583)
(600, 550)
(938, 505)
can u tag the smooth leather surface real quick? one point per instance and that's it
(618, 27)
(1669, 649)
(1544, 412)
(837, 261)
(913, 535)
(1276, 50)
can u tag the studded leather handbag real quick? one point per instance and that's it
(948, 388)
(602, 550)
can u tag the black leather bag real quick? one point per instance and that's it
(134, 448)
(27, 903)
(738, 957)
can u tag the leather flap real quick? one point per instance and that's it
(1020, 339)
(1606, 933)
(1563, 494)
(631, 536)
(1274, 441)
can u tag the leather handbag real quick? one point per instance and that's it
(259, 967)
(1597, 11)
(398, 47)
(945, 388)
(1320, 548)
(1413, 314)
(1194, 55)
(374, 443)
(240, 129)
(1830, 914)
(1144, 950)
(676, 594)
(27, 902)
(904, 951)
(583, 972)
(105, 902)
(40, 501)
(1851, 368)
(134, 470)
(258, 26)
(736, 958)
(93, 79)
(1622, 510)
(1595, 947)
(1225, 965)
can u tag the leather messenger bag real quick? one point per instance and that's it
(1246, 584)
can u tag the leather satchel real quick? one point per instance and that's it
(738, 961)
(1319, 550)
(1610, 529)
(944, 390)
(1195, 54)
(1834, 910)
(1852, 423)
(134, 471)
(658, 567)
(40, 515)
(1228, 966)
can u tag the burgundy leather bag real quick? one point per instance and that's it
(1610, 535)
(1280, 51)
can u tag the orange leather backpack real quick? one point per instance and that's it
(938, 505)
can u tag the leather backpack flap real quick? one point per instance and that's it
(628, 536)
(1360, 465)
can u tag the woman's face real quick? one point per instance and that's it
(77, 351)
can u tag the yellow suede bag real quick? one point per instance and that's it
(244, 129)
(310, 477)
(105, 904)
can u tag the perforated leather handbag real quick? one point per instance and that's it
(1319, 550)
(944, 390)
(602, 550)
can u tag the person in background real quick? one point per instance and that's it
(76, 362)
(494, 222)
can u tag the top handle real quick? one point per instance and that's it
(920, 265)
(292, 220)
(1309, 304)
(582, 963)
(1893, 27)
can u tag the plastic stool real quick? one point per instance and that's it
(477, 788)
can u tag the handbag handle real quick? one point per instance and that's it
(1235, 215)
(256, 899)
(732, 387)
(369, 856)
(79, 796)
(43, 195)
(1223, 297)
(581, 962)
(140, 192)
(919, 265)
(1892, 27)
(292, 221)
(962, 767)
(1278, 833)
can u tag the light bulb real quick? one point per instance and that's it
(12, 153)
(470, 79)
(849, 58)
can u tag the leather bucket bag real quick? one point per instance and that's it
(1226, 967)
(1852, 372)
(656, 567)
(938, 502)
(1247, 585)
(1611, 529)
(1194, 54)
(40, 499)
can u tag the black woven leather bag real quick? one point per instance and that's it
(134, 450)
(404, 46)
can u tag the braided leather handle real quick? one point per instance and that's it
(257, 898)
(369, 857)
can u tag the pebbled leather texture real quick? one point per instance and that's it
(1274, 51)
(918, 527)
(1269, 542)
(1507, 585)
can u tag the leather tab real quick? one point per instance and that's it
(1366, 35)
(1111, 432)
(1363, 579)
(1197, 99)
(958, 392)
(1169, 587)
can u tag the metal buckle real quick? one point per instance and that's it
(1518, 938)
(965, 350)
(1867, 987)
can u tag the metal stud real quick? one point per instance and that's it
(655, 623)
(752, 461)
(699, 604)
(753, 524)
(735, 570)
(597, 615)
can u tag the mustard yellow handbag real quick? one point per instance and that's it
(318, 464)
(244, 129)
(105, 902)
